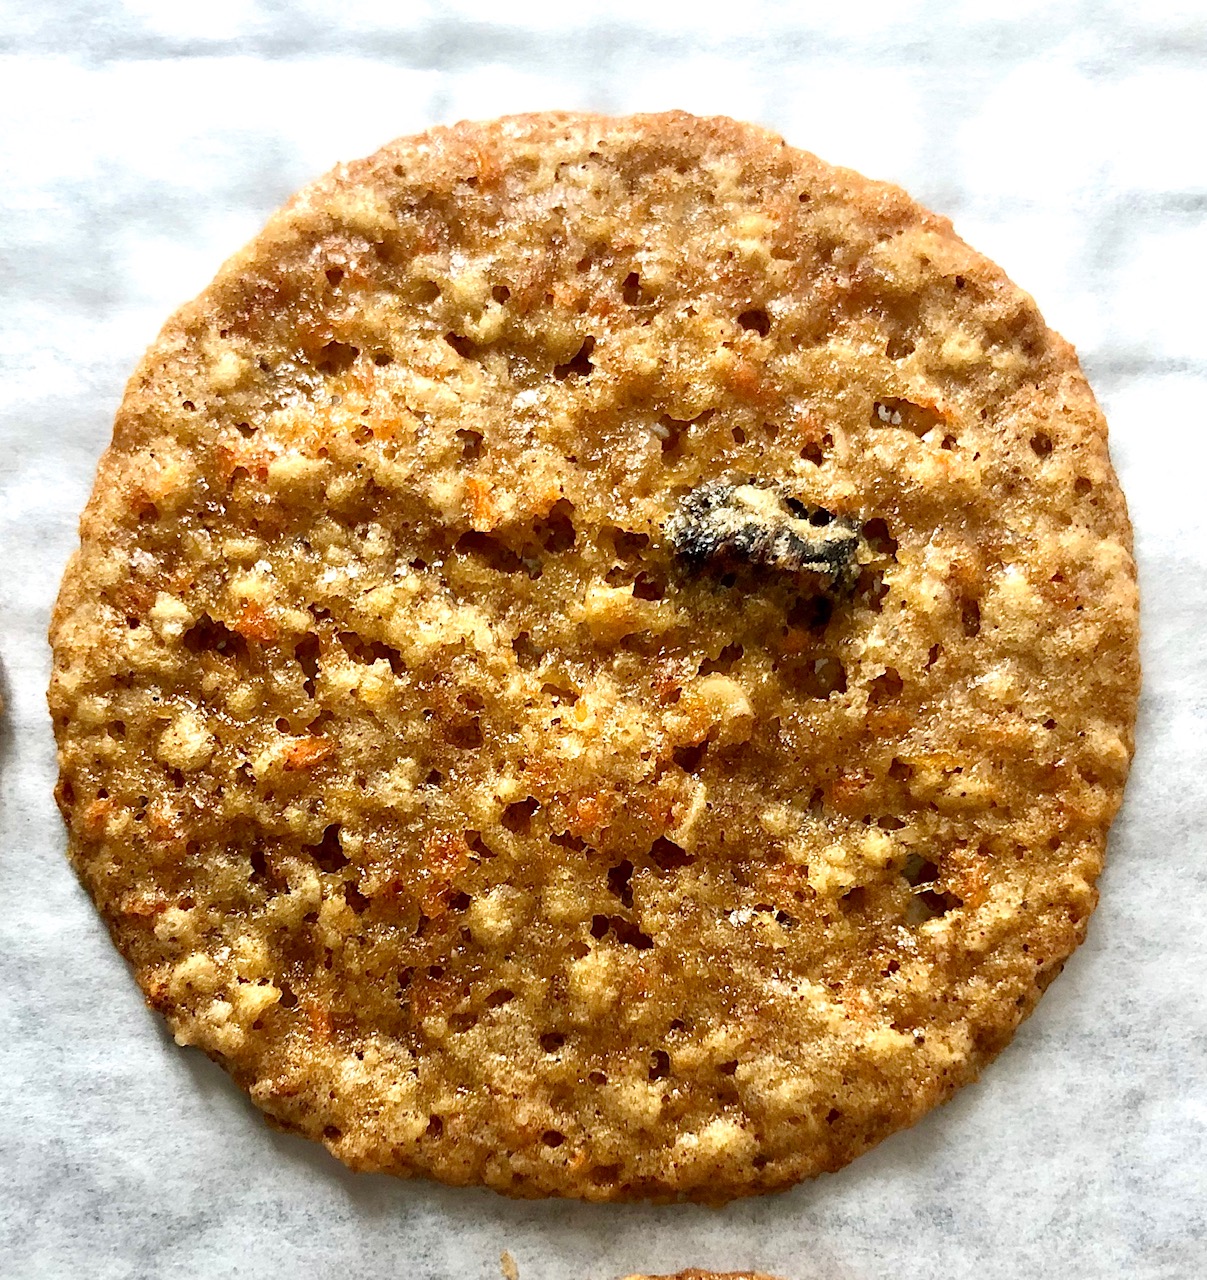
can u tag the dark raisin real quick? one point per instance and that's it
(726, 525)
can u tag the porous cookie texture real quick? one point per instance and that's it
(600, 662)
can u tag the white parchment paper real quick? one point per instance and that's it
(140, 143)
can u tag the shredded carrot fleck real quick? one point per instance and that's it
(96, 813)
(746, 380)
(588, 814)
(481, 506)
(307, 752)
(445, 853)
(255, 624)
(320, 1023)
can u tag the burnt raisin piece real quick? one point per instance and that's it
(725, 524)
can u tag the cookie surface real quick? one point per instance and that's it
(601, 660)
(694, 1274)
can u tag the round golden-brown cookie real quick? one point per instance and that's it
(601, 660)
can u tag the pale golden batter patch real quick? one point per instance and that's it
(601, 660)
